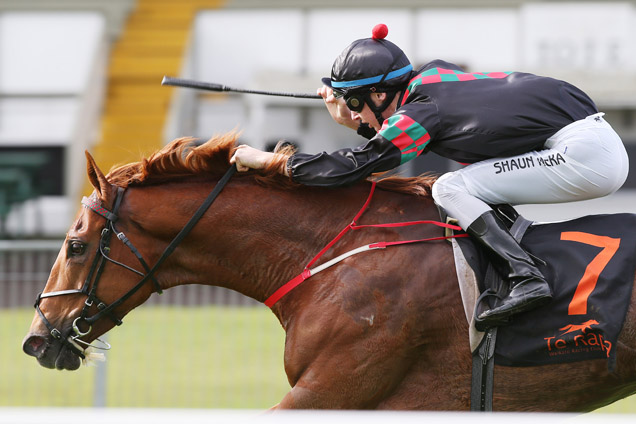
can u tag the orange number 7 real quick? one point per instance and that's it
(578, 305)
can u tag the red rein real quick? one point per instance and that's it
(308, 271)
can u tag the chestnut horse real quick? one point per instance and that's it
(383, 329)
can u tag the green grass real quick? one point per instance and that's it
(169, 357)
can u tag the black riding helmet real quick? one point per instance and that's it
(369, 65)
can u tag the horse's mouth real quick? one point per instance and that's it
(50, 352)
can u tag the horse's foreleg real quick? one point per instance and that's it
(302, 398)
(293, 400)
(339, 384)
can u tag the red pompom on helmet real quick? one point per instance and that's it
(379, 32)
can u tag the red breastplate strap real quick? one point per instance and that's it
(308, 271)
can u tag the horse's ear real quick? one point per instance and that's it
(104, 189)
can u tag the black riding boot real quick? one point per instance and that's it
(529, 289)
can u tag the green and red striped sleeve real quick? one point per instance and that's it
(407, 135)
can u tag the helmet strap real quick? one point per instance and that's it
(378, 110)
(401, 98)
(390, 95)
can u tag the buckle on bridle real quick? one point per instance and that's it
(79, 332)
(56, 333)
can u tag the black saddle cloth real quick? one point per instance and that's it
(589, 263)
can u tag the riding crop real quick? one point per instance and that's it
(180, 82)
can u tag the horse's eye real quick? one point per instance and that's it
(76, 248)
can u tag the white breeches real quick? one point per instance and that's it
(583, 160)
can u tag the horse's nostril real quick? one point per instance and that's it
(34, 345)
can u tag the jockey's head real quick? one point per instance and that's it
(370, 65)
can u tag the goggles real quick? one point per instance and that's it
(355, 102)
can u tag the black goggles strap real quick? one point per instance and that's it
(377, 110)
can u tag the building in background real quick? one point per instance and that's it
(53, 60)
(85, 75)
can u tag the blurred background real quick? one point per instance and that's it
(80, 75)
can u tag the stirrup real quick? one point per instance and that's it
(485, 324)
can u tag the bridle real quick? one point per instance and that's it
(97, 267)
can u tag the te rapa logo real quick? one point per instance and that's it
(576, 338)
(587, 325)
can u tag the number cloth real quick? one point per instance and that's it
(591, 263)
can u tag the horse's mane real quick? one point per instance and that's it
(185, 158)
(182, 158)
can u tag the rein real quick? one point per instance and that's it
(101, 257)
(308, 271)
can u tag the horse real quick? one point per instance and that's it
(381, 329)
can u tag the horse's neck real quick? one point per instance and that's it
(254, 239)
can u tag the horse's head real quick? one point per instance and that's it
(89, 289)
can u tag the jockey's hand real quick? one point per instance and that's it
(246, 158)
(338, 108)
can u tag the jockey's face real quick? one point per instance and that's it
(367, 115)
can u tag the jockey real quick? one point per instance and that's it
(525, 139)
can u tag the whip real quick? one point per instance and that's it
(208, 86)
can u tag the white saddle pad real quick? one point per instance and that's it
(470, 292)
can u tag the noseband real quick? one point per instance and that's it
(100, 260)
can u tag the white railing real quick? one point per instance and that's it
(25, 266)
